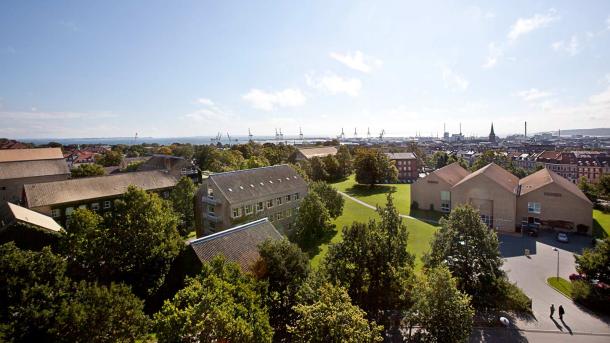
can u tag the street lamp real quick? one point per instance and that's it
(555, 249)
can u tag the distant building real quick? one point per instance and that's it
(227, 199)
(175, 165)
(492, 134)
(60, 198)
(560, 162)
(26, 228)
(307, 153)
(22, 166)
(505, 202)
(238, 244)
(407, 164)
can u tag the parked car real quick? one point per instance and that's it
(563, 237)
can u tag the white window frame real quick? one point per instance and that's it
(249, 209)
(56, 213)
(260, 206)
(236, 212)
(107, 204)
(278, 201)
(534, 207)
(270, 203)
(95, 206)
(296, 196)
(288, 198)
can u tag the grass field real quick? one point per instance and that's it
(601, 224)
(562, 285)
(420, 233)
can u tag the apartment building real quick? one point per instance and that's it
(22, 166)
(560, 162)
(59, 199)
(407, 164)
(228, 199)
(504, 201)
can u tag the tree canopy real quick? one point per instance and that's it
(372, 167)
(330, 197)
(312, 221)
(90, 169)
(182, 198)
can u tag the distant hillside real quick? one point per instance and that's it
(585, 132)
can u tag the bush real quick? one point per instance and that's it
(511, 297)
(581, 290)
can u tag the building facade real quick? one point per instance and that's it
(228, 199)
(307, 153)
(433, 192)
(407, 164)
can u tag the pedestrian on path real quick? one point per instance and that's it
(552, 310)
(561, 312)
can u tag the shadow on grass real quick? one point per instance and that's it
(432, 217)
(598, 230)
(312, 247)
(366, 190)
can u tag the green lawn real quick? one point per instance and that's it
(601, 224)
(420, 233)
(562, 285)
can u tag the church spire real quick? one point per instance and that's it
(492, 134)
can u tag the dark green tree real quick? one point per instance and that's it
(373, 263)
(332, 167)
(312, 222)
(330, 197)
(588, 188)
(594, 263)
(85, 170)
(110, 158)
(344, 158)
(372, 167)
(219, 305)
(318, 169)
(183, 198)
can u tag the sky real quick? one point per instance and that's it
(71, 69)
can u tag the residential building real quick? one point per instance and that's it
(175, 165)
(22, 166)
(506, 203)
(549, 199)
(227, 199)
(238, 244)
(307, 153)
(493, 191)
(59, 199)
(26, 228)
(562, 163)
(433, 192)
(407, 164)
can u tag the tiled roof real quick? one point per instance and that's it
(22, 169)
(250, 184)
(10, 213)
(318, 152)
(401, 156)
(498, 175)
(12, 155)
(238, 244)
(78, 190)
(160, 162)
(452, 173)
(544, 177)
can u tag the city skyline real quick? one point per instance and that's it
(73, 70)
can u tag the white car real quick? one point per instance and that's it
(563, 237)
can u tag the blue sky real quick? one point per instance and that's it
(166, 69)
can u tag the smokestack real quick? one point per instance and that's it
(525, 129)
(460, 129)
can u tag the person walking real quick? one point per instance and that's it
(552, 310)
(561, 312)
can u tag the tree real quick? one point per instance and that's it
(184, 150)
(588, 189)
(333, 318)
(344, 158)
(440, 308)
(285, 267)
(135, 244)
(207, 157)
(255, 162)
(109, 158)
(332, 167)
(318, 169)
(164, 150)
(603, 186)
(462, 162)
(85, 170)
(41, 304)
(312, 222)
(330, 197)
(439, 159)
(219, 305)
(372, 261)
(372, 166)
(594, 263)
(182, 198)
(470, 250)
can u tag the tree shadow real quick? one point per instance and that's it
(366, 190)
(498, 335)
(598, 230)
(312, 247)
(431, 217)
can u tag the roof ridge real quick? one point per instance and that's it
(250, 169)
(230, 230)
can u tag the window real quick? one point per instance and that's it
(259, 206)
(249, 209)
(296, 196)
(288, 198)
(55, 213)
(270, 203)
(95, 206)
(533, 207)
(69, 211)
(445, 201)
(211, 209)
(236, 212)
(278, 201)
(210, 193)
(278, 216)
(488, 220)
(106, 204)
(166, 194)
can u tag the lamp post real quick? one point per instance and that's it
(555, 249)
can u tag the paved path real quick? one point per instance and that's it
(375, 208)
(531, 273)
(502, 335)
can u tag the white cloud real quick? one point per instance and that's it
(533, 94)
(572, 47)
(267, 101)
(494, 55)
(601, 98)
(205, 101)
(526, 25)
(357, 61)
(453, 80)
(334, 84)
